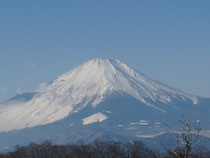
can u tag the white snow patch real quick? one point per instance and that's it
(146, 121)
(145, 136)
(149, 135)
(143, 123)
(71, 124)
(98, 117)
(107, 111)
(133, 123)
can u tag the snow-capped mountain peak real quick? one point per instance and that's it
(88, 84)
(99, 77)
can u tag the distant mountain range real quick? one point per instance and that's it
(102, 98)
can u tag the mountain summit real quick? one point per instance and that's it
(90, 83)
(99, 97)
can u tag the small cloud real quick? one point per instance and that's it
(32, 65)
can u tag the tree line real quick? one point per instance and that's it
(98, 149)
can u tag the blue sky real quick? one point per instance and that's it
(166, 40)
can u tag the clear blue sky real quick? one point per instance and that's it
(166, 40)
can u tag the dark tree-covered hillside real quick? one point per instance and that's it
(99, 149)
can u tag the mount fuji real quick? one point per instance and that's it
(100, 99)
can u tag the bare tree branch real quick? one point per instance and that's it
(186, 141)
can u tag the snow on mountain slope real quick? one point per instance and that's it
(98, 117)
(90, 83)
